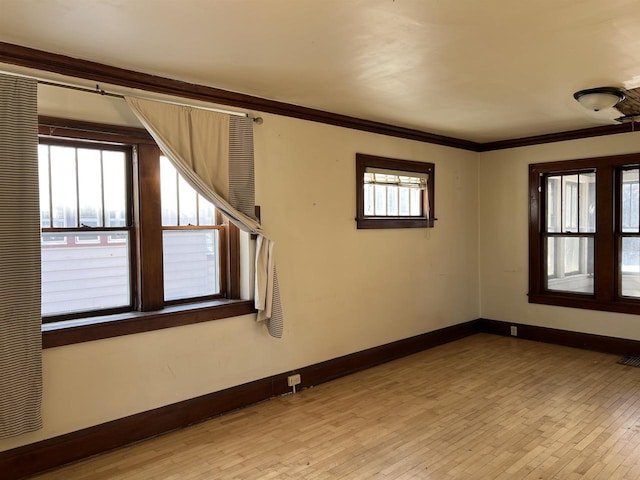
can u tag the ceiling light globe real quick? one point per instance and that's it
(597, 99)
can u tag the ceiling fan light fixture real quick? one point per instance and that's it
(600, 98)
(634, 117)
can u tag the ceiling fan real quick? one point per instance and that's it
(630, 106)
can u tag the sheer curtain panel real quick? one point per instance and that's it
(20, 321)
(214, 153)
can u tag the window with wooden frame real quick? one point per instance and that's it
(123, 234)
(85, 217)
(393, 193)
(192, 239)
(584, 233)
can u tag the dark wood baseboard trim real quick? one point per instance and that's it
(44, 455)
(587, 341)
(37, 457)
(338, 367)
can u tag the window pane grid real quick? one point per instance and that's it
(571, 203)
(392, 201)
(84, 269)
(181, 204)
(628, 233)
(388, 193)
(190, 239)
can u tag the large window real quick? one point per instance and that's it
(86, 234)
(584, 233)
(394, 193)
(122, 231)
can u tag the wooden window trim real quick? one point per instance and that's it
(368, 222)
(150, 311)
(605, 296)
(89, 329)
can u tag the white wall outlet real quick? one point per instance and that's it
(514, 331)
(294, 380)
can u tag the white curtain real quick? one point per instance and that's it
(20, 321)
(214, 153)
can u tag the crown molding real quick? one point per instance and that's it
(556, 137)
(88, 70)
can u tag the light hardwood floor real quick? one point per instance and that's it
(485, 407)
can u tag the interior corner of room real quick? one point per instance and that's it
(353, 298)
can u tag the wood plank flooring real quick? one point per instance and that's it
(485, 407)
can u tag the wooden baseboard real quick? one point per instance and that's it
(587, 341)
(37, 457)
(44, 455)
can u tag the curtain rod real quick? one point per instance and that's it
(104, 93)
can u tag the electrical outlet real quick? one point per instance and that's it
(294, 380)
(514, 331)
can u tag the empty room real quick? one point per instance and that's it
(319, 239)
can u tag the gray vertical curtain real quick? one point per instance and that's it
(214, 153)
(20, 320)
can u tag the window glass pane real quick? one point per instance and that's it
(90, 187)
(115, 198)
(551, 258)
(392, 201)
(43, 175)
(64, 187)
(169, 192)
(393, 193)
(572, 259)
(630, 193)
(380, 192)
(84, 271)
(187, 206)
(570, 203)
(554, 216)
(416, 202)
(368, 199)
(206, 212)
(630, 267)
(404, 202)
(587, 195)
(190, 261)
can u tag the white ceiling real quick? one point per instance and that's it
(480, 70)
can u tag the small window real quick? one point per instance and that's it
(394, 193)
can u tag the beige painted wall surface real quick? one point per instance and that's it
(343, 290)
(504, 243)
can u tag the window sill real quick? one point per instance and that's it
(96, 328)
(393, 222)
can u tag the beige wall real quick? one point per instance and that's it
(343, 290)
(504, 244)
